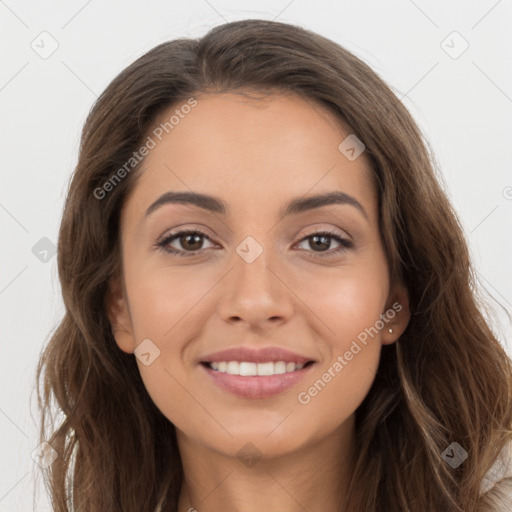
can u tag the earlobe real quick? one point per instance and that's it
(119, 316)
(397, 315)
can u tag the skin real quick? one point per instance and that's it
(256, 156)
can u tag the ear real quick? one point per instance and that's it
(119, 315)
(396, 315)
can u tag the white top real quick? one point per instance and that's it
(501, 469)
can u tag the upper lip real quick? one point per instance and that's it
(262, 355)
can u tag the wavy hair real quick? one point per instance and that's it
(446, 379)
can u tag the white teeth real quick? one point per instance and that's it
(233, 368)
(280, 367)
(266, 368)
(247, 369)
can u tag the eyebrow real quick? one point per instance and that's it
(295, 206)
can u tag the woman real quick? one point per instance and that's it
(319, 346)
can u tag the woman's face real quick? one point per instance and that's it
(258, 278)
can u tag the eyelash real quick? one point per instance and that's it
(164, 242)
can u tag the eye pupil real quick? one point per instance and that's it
(325, 241)
(195, 245)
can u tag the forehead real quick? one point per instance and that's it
(251, 151)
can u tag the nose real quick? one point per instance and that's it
(256, 293)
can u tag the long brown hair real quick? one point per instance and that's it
(447, 379)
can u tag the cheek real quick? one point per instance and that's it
(351, 306)
(164, 302)
(348, 301)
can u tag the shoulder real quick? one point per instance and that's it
(496, 486)
(500, 470)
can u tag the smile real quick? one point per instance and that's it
(250, 380)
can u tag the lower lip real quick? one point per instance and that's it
(256, 386)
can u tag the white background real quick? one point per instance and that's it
(463, 105)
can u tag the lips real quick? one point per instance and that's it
(255, 374)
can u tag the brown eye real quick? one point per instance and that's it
(190, 243)
(320, 243)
